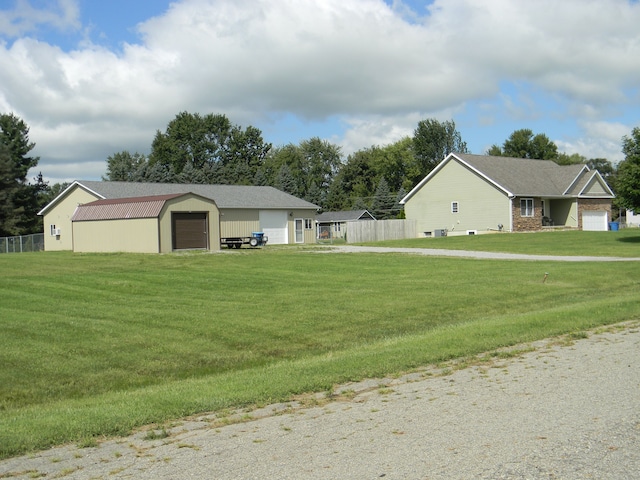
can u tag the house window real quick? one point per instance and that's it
(308, 224)
(526, 207)
(52, 230)
(454, 207)
(336, 226)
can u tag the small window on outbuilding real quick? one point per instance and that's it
(455, 207)
(308, 224)
(52, 230)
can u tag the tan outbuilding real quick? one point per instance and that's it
(153, 224)
(93, 216)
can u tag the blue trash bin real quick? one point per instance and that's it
(613, 226)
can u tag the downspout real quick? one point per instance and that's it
(511, 198)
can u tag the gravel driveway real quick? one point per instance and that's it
(473, 254)
(558, 409)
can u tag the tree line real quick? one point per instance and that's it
(210, 149)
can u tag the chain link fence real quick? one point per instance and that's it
(22, 243)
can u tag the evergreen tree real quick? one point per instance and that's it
(21, 201)
(285, 180)
(383, 201)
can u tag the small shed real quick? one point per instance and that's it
(334, 224)
(151, 224)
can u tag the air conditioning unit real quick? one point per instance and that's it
(440, 232)
(56, 232)
(472, 232)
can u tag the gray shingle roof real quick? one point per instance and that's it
(225, 196)
(525, 177)
(344, 216)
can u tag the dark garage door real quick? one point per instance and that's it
(189, 230)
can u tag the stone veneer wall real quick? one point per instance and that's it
(593, 204)
(527, 224)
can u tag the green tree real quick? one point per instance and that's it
(190, 137)
(383, 202)
(311, 167)
(628, 177)
(357, 179)
(565, 159)
(285, 180)
(289, 179)
(244, 155)
(605, 167)
(392, 162)
(432, 142)
(524, 144)
(322, 161)
(8, 188)
(21, 200)
(125, 167)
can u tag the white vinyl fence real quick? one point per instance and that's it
(22, 243)
(378, 230)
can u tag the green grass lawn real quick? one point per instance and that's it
(623, 243)
(96, 345)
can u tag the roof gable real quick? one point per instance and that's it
(344, 216)
(595, 186)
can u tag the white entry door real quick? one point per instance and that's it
(594, 221)
(274, 224)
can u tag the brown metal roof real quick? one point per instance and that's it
(122, 208)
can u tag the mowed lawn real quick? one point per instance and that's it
(99, 344)
(623, 243)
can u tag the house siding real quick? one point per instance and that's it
(239, 222)
(136, 235)
(431, 205)
(309, 235)
(60, 216)
(594, 188)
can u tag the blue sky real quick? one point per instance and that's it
(92, 78)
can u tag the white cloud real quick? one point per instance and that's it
(371, 65)
(24, 18)
(601, 140)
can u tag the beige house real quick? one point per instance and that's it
(150, 217)
(468, 194)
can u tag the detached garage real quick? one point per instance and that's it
(163, 217)
(152, 224)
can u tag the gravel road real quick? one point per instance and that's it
(473, 254)
(557, 409)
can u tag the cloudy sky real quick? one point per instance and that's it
(93, 77)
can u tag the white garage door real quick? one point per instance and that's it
(594, 221)
(274, 225)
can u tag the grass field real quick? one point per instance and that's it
(623, 243)
(96, 345)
